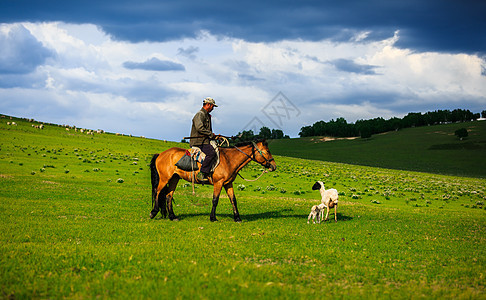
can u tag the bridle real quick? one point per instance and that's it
(253, 155)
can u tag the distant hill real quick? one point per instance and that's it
(432, 149)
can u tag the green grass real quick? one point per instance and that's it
(432, 149)
(73, 231)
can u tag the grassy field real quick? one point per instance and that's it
(432, 149)
(74, 224)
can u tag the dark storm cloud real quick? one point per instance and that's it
(21, 52)
(432, 25)
(154, 64)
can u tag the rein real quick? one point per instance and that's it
(252, 157)
(267, 161)
(251, 180)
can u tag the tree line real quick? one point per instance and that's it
(265, 133)
(249, 135)
(366, 128)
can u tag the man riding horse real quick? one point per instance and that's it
(201, 136)
(165, 174)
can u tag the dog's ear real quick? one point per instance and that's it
(316, 186)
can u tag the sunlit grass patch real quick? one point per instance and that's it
(82, 234)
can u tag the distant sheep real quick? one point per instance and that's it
(329, 199)
(316, 212)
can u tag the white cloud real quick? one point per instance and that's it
(85, 81)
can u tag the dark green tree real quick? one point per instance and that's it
(246, 135)
(461, 133)
(307, 131)
(277, 134)
(265, 133)
(365, 131)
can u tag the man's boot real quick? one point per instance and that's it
(202, 177)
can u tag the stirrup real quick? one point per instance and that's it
(202, 178)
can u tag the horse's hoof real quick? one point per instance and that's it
(152, 215)
(213, 220)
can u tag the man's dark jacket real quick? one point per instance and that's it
(201, 129)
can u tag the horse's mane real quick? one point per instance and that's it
(248, 143)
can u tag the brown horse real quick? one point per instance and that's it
(165, 175)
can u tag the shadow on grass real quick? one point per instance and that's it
(275, 214)
(286, 213)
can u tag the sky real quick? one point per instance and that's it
(143, 67)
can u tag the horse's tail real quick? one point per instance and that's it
(154, 175)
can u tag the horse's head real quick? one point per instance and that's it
(263, 156)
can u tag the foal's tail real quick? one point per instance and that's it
(154, 175)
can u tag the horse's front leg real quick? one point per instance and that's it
(216, 193)
(335, 213)
(231, 195)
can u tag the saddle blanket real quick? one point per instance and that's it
(193, 156)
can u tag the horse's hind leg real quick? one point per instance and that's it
(160, 195)
(216, 193)
(231, 195)
(170, 196)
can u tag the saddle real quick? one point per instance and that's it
(194, 157)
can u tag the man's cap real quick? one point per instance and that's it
(210, 101)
